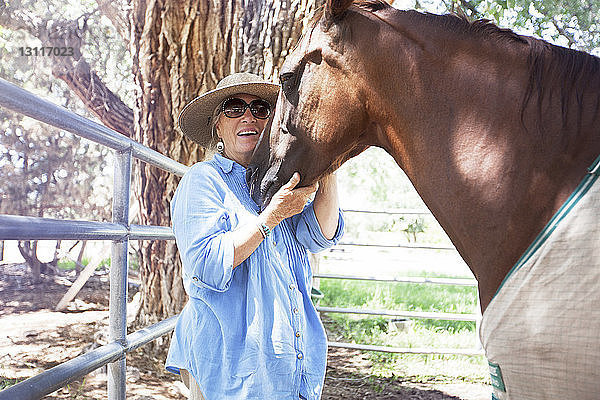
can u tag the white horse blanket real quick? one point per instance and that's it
(541, 332)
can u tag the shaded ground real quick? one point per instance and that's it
(33, 338)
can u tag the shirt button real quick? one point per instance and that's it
(295, 311)
(300, 356)
(298, 334)
(292, 286)
(195, 279)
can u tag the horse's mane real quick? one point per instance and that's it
(549, 65)
(573, 71)
(461, 25)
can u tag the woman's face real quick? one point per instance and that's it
(240, 134)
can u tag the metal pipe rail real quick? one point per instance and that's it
(406, 279)
(409, 350)
(402, 211)
(48, 381)
(397, 246)
(16, 227)
(408, 314)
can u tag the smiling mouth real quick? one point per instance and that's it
(248, 133)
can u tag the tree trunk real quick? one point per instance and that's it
(79, 262)
(28, 250)
(181, 49)
(56, 254)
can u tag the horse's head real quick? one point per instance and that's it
(321, 118)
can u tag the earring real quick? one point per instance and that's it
(220, 147)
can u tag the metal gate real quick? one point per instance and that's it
(13, 227)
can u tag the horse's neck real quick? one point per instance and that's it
(490, 182)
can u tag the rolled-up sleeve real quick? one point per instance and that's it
(202, 226)
(308, 231)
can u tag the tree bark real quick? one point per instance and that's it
(100, 100)
(182, 49)
(79, 262)
(28, 250)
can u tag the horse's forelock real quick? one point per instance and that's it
(367, 5)
(337, 7)
(372, 5)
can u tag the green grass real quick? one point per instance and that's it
(7, 382)
(68, 265)
(423, 333)
(404, 297)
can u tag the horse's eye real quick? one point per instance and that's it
(287, 81)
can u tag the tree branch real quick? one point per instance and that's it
(14, 22)
(467, 4)
(88, 86)
(75, 70)
(117, 16)
(565, 33)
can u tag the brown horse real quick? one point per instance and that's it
(495, 130)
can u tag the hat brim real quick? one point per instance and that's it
(195, 118)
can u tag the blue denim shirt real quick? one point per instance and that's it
(251, 332)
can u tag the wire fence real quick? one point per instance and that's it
(475, 317)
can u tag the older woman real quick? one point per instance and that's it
(249, 329)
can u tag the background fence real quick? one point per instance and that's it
(476, 317)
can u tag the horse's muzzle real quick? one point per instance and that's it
(263, 185)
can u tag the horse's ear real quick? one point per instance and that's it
(335, 8)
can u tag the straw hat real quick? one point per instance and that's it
(195, 119)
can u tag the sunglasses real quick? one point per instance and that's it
(235, 108)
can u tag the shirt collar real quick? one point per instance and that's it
(226, 164)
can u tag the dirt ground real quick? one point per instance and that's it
(33, 337)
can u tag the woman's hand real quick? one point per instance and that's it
(288, 201)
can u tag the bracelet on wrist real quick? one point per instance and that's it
(264, 230)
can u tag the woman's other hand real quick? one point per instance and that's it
(288, 201)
